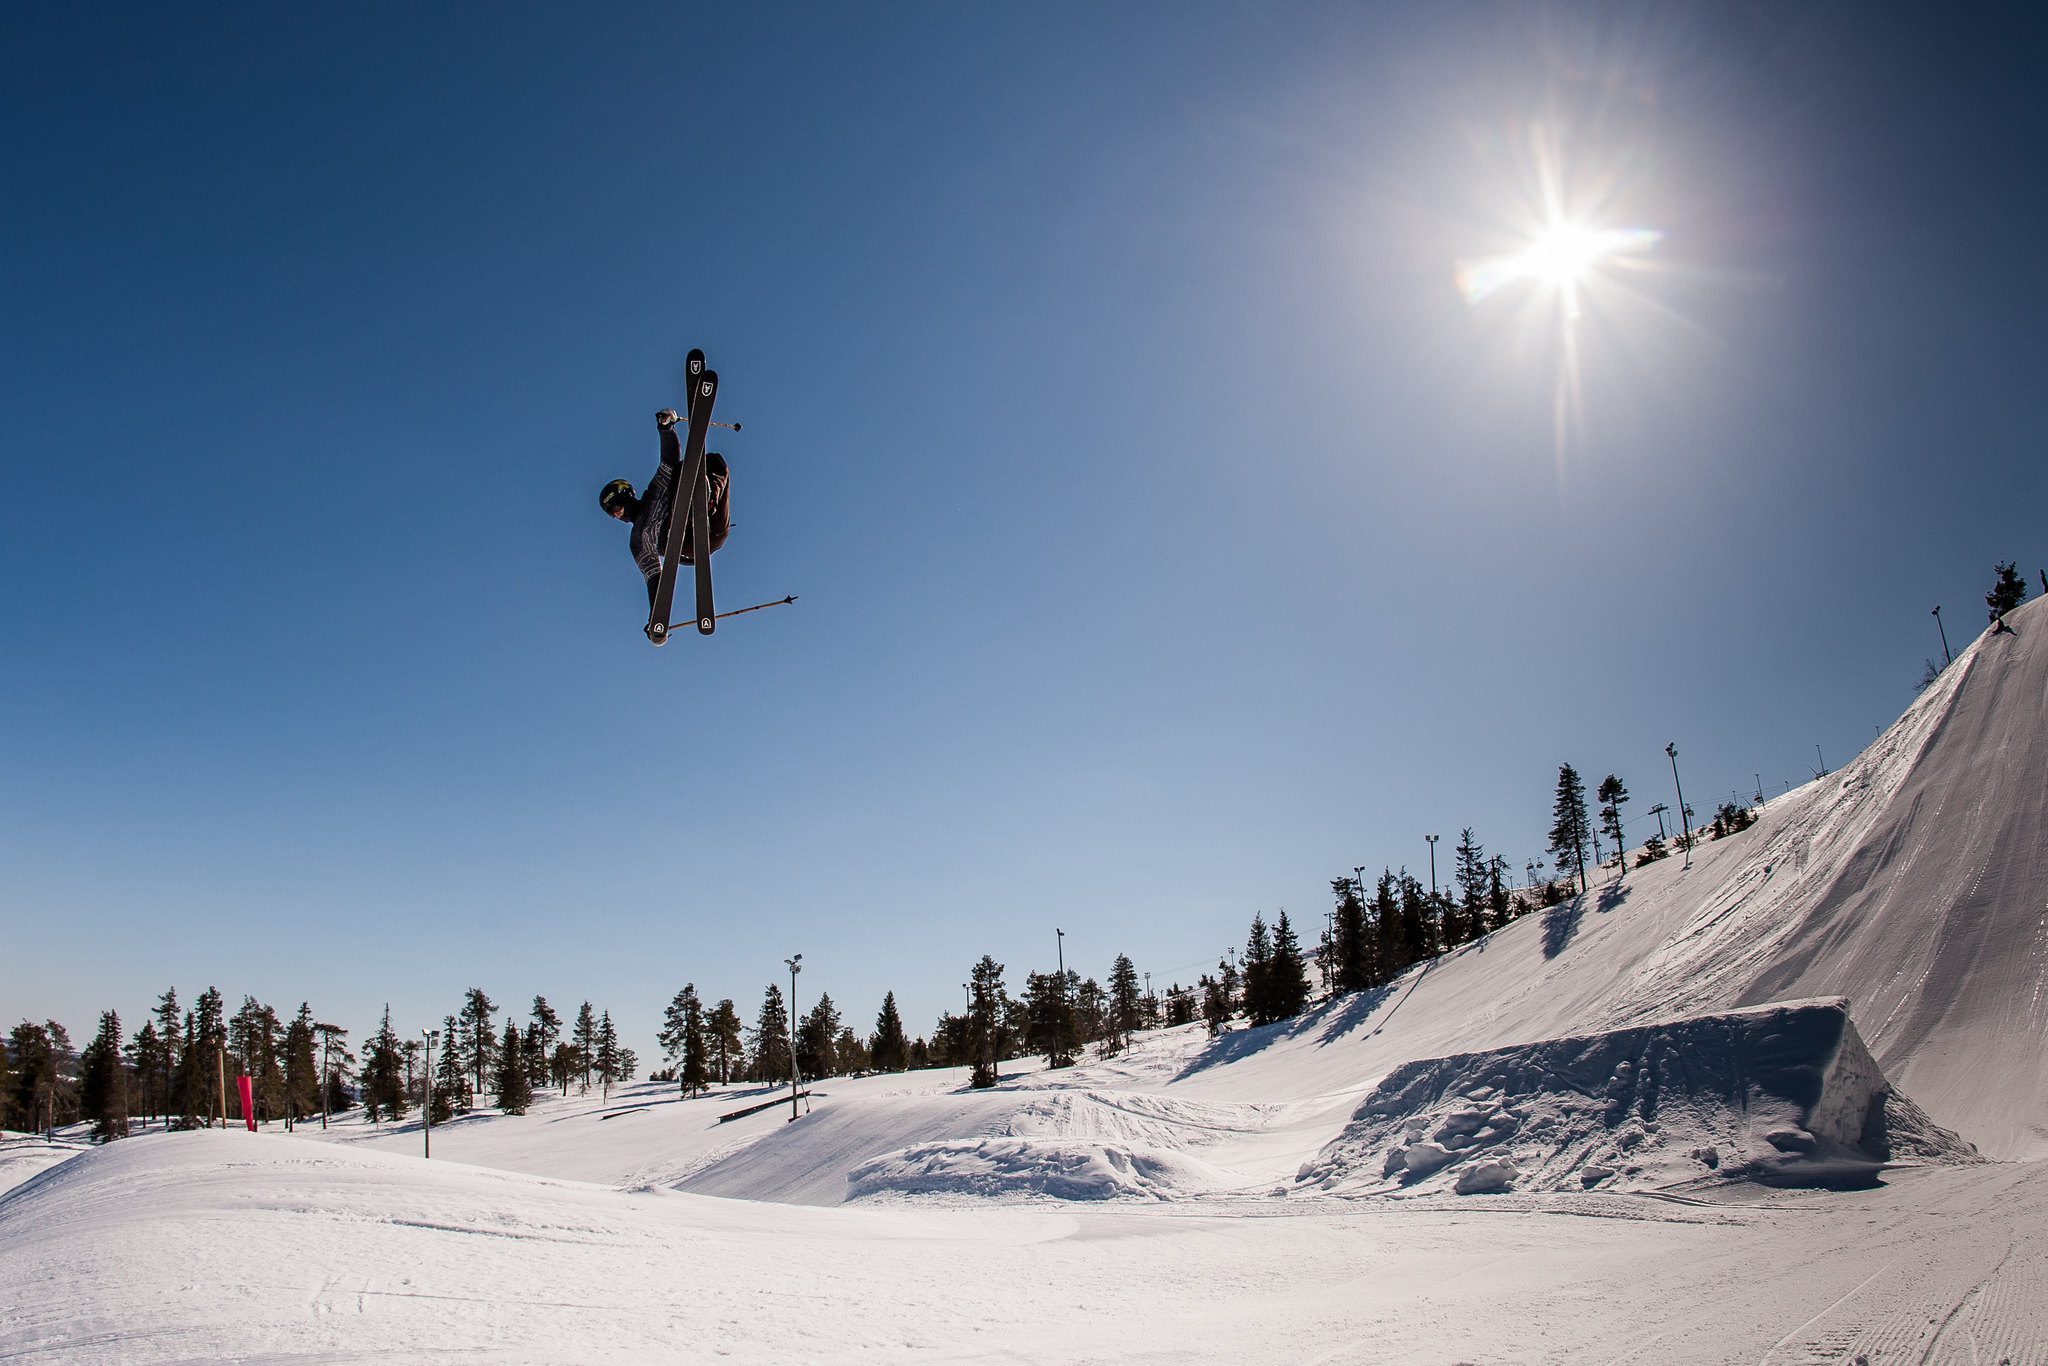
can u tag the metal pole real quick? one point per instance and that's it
(324, 1037)
(1432, 865)
(1658, 811)
(427, 1108)
(1946, 656)
(796, 965)
(1684, 819)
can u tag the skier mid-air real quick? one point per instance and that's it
(648, 514)
(686, 512)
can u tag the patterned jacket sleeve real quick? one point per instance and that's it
(652, 524)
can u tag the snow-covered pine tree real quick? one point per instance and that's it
(1569, 825)
(515, 1092)
(887, 1048)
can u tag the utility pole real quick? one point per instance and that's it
(1684, 817)
(1823, 762)
(1432, 865)
(796, 965)
(323, 1076)
(432, 1036)
(1948, 658)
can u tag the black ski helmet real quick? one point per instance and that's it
(615, 495)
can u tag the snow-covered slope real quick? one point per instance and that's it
(231, 1246)
(1913, 884)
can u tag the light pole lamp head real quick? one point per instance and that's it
(1672, 749)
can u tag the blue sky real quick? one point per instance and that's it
(1170, 535)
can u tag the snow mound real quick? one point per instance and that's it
(1032, 1169)
(1785, 1093)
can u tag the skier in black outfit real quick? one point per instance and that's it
(649, 514)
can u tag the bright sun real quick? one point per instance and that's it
(1561, 257)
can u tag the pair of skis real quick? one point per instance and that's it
(689, 506)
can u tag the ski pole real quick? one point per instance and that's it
(742, 611)
(729, 426)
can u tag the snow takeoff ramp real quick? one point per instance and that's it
(1782, 1093)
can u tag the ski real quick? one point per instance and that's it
(700, 539)
(683, 498)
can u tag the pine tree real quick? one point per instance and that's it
(887, 1048)
(542, 1035)
(986, 1019)
(1287, 976)
(8, 1118)
(1126, 1006)
(584, 1037)
(1611, 794)
(1569, 825)
(103, 1082)
(170, 1041)
(611, 1062)
(148, 1054)
(451, 1076)
(814, 1042)
(384, 1073)
(728, 1046)
(1396, 950)
(1471, 877)
(301, 1067)
(674, 1023)
(1417, 927)
(849, 1054)
(770, 1059)
(1215, 1002)
(694, 1073)
(1091, 1008)
(515, 1092)
(1049, 1018)
(1258, 962)
(479, 1038)
(1352, 949)
(2008, 590)
(199, 1072)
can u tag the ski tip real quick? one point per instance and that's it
(706, 625)
(657, 635)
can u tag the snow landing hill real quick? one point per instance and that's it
(1852, 994)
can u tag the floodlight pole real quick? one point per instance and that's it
(432, 1036)
(796, 965)
(1946, 656)
(1684, 820)
(1432, 865)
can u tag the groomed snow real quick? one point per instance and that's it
(1178, 1202)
